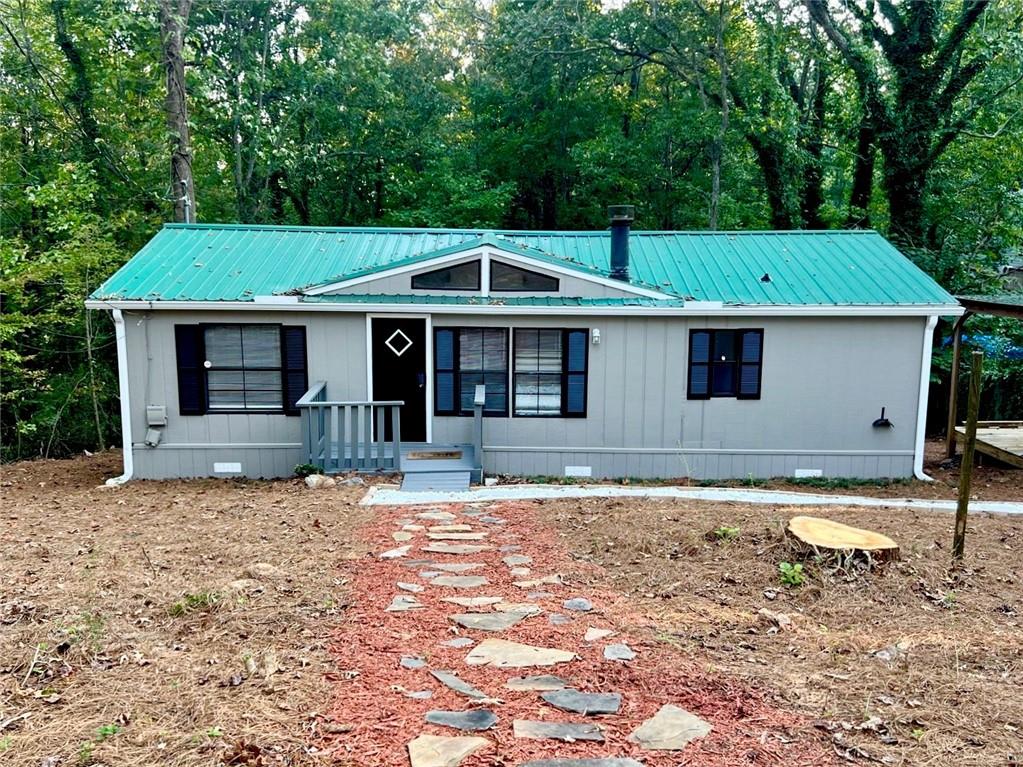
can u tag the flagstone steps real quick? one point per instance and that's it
(670, 729)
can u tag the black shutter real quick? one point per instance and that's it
(294, 366)
(573, 394)
(189, 348)
(699, 364)
(751, 353)
(444, 361)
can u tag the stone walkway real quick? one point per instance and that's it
(469, 645)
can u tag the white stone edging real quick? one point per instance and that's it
(387, 496)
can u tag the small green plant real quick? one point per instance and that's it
(107, 731)
(5, 743)
(85, 752)
(190, 603)
(307, 469)
(918, 734)
(791, 574)
(725, 533)
(948, 600)
(214, 732)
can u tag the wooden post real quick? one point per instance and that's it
(966, 470)
(957, 347)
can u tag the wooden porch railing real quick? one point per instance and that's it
(339, 436)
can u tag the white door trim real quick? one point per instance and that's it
(429, 360)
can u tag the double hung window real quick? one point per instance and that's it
(550, 372)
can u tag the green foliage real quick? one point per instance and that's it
(307, 469)
(106, 731)
(725, 534)
(202, 601)
(791, 574)
(503, 114)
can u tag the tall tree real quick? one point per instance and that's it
(914, 65)
(173, 23)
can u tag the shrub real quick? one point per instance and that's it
(791, 574)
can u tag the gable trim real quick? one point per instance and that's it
(485, 252)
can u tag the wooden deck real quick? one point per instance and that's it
(999, 439)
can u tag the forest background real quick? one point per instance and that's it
(119, 115)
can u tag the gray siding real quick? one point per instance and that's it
(824, 382)
(267, 445)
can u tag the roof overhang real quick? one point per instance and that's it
(691, 309)
(999, 305)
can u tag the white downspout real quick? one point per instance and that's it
(122, 381)
(921, 411)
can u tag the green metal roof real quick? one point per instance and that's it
(207, 262)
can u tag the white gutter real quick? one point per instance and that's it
(122, 382)
(689, 310)
(921, 408)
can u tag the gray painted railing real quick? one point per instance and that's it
(339, 436)
(479, 399)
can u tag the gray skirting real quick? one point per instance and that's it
(169, 461)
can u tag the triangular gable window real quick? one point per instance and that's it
(505, 278)
(459, 277)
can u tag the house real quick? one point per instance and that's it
(245, 350)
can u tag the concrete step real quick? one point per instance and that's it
(445, 481)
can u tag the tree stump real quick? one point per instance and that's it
(833, 540)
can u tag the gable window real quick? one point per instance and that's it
(725, 363)
(505, 277)
(464, 358)
(550, 372)
(458, 277)
(240, 368)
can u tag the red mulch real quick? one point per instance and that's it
(748, 729)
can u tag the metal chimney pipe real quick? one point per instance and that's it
(621, 220)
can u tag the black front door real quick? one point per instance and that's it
(399, 372)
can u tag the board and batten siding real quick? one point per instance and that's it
(265, 444)
(824, 381)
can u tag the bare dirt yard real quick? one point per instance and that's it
(912, 664)
(992, 481)
(170, 623)
(198, 622)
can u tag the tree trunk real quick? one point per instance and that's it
(81, 95)
(717, 149)
(173, 23)
(813, 176)
(634, 83)
(771, 159)
(904, 183)
(863, 177)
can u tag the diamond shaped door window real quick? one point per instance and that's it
(398, 342)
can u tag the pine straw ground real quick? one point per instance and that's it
(124, 637)
(952, 693)
(375, 719)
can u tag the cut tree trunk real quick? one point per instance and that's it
(824, 537)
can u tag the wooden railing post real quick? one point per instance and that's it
(331, 436)
(479, 400)
(307, 434)
(953, 385)
(969, 447)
